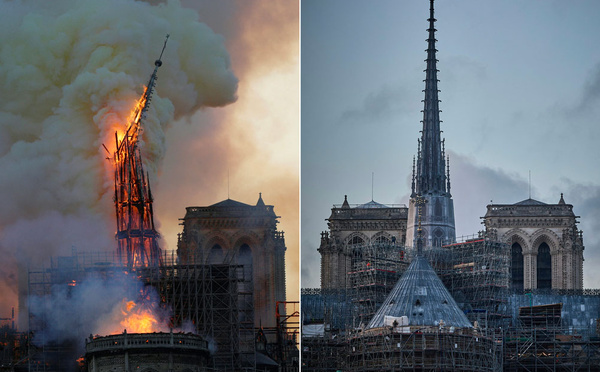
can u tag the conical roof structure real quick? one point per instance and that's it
(422, 297)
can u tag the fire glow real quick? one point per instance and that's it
(133, 121)
(139, 319)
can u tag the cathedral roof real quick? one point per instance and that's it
(530, 202)
(230, 203)
(230, 208)
(422, 297)
(372, 204)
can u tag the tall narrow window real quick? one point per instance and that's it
(245, 258)
(356, 246)
(544, 267)
(215, 256)
(438, 208)
(517, 266)
(438, 237)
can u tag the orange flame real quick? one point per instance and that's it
(119, 128)
(136, 115)
(137, 319)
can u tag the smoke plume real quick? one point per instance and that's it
(70, 73)
(93, 306)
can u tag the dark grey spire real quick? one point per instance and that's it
(431, 172)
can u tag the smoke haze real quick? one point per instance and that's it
(70, 73)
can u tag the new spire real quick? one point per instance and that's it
(431, 176)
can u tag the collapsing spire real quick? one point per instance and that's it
(430, 176)
(136, 235)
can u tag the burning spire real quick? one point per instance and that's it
(136, 234)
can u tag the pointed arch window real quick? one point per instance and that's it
(544, 267)
(355, 245)
(215, 255)
(382, 239)
(438, 237)
(245, 258)
(517, 266)
(438, 212)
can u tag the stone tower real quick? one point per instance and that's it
(352, 228)
(431, 179)
(546, 245)
(231, 232)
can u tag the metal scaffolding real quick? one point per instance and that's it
(540, 342)
(478, 277)
(288, 338)
(423, 349)
(376, 268)
(323, 353)
(477, 273)
(216, 299)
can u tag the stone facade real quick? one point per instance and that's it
(231, 232)
(546, 245)
(352, 227)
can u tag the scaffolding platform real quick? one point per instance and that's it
(216, 299)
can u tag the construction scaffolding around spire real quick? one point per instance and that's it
(376, 268)
(478, 277)
(136, 233)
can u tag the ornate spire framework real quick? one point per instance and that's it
(431, 175)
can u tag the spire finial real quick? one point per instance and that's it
(158, 62)
(345, 205)
(529, 184)
(372, 184)
(431, 158)
(260, 201)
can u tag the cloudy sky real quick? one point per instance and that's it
(224, 119)
(520, 92)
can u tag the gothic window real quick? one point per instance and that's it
(382, 240)
(215, 255)
(438, 208)
(357, 240)
(438, 237)
(245, 258)
(517, 266)
(355, 246)
(544, 267)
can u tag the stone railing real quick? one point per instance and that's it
(182, 341)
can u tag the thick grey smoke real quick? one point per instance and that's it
(96, 306)
(70, 73)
